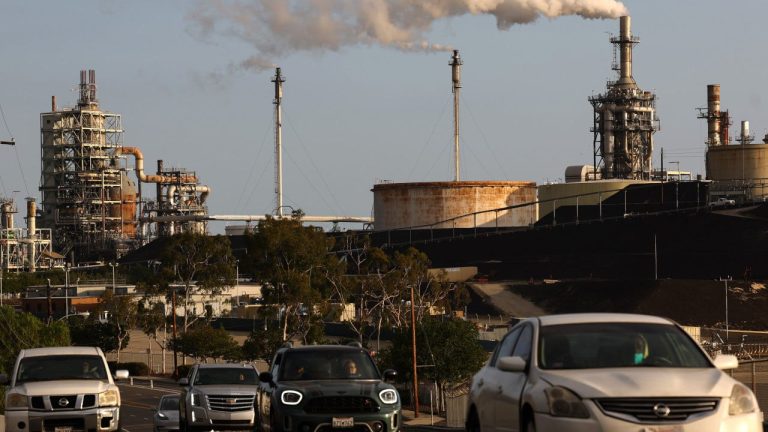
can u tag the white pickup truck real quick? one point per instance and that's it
(62, 389)
(722, 202)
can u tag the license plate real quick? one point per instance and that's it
(62, 429)
(340, 422)
(666, 428)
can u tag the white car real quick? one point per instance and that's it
(607, 372)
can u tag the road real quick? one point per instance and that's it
(139, 399)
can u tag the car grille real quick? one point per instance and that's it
(653, 409)
(341, 405)
(231, 402)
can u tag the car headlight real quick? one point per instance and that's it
(16, 400)
(742, 400)
(565, 403)
(291, 397)
(109, 398)
(388, 396)
(162, 416)
(196, 399)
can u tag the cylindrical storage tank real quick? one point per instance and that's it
(435, 205)
(737, 162)
(128, 208)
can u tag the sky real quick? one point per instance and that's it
(367, 96)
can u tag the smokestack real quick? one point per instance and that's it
(53, 103)
(745, 138)
(625, 41)
(278, 80)
(6, 215)
(456, 77)
(713, 114)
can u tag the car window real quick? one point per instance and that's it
(523, 345)
(327, 364)
(61, 367)
(609, 345)
(276, 364)
(506, 345)
(226, 376)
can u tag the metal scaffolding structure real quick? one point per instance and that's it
(25, 249)
(624, 119)
(87, 200)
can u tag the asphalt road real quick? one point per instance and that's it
(139, 399)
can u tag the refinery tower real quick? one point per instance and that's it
(624, 118)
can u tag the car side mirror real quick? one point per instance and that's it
(726, 361)
(266, 377)
(184, 381)
(3, 379)
(121, 374)
(511, 364)
(390, 375)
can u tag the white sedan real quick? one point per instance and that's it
(607, 372)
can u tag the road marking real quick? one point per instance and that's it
(137, 404)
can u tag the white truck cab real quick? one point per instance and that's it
(62, 389)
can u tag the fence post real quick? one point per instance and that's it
(754, 380)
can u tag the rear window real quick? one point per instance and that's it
(61, 367)
(226, 376)
(327, 364)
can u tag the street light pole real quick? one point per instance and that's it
(726, 305)
(113, 265)
(66, 290)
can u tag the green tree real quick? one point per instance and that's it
(449, 346)
(203, 264)
(21, 330)
(262, 344)
(92, 332)
(204, 342)
(293, 262)
(122, 314)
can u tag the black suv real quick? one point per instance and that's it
(321, 388)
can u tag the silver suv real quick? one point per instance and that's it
(62, 389)
(219, 396)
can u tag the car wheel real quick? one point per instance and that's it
(473, 422)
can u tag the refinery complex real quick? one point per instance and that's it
(97, 202)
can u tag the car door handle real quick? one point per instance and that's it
(480, 383)
(499, 390)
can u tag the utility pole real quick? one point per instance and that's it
(66, 290)
(173, 306)
(726, 279)
(413, 340)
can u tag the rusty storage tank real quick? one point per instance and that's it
(128, 208)
(440, 204)
(737, 162)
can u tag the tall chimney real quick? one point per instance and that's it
(278, 79)
(456, 78)
(625, 42)
(53, 103)
(713, 114)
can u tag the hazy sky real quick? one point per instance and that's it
(367, 98)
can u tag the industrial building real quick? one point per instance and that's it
(88, 200)
(25, 249)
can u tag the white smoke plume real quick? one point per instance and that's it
(276, 28)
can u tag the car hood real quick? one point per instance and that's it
(44, 388)
(643, 382)
(227, 389)
(336, 387)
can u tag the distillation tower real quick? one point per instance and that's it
(624, 118)
(87, 200)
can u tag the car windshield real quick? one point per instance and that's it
(169, 403)
(610, 345)
(227, 376)
(61, 367)
(327, 364)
